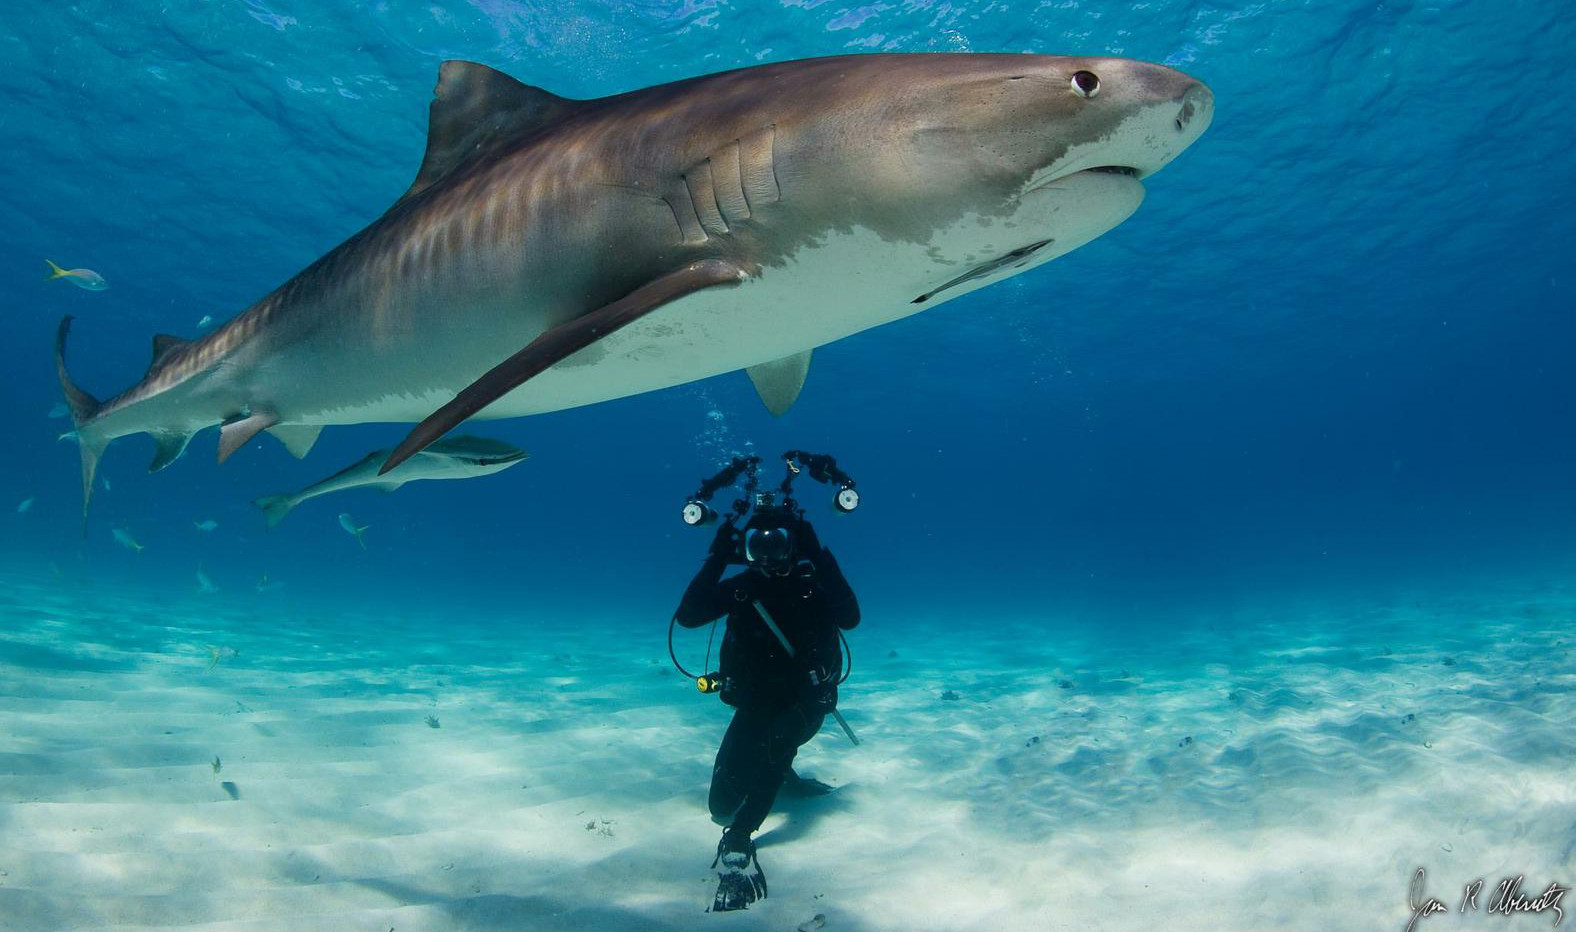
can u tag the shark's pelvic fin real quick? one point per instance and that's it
(83, 406)
(163, 345)
(297, 438)
(234, 433)
(475, 112)
(561, 341)
(171, 444)
(779, 382)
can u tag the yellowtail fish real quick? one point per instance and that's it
(206, 322)
(83, 278)
(204, 584)
(349, 525)
(124, 538)
(207, 525)
(26, 504)
(59, 410)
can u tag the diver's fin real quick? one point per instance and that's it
(234, 433)
(163, 345)
(275, 507)
(83, 406)
(779, 382)
(559, 342)
(171, 444)
(476, 111)
(297, 438)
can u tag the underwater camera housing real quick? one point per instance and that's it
(768, 510)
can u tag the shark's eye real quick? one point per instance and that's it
(1085, 83)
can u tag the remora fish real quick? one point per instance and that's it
(651, 238)
(454, 458)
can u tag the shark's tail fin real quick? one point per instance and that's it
(275, 507)
(55, 271)
(83, 406)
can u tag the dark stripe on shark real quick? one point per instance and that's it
(1017, 256)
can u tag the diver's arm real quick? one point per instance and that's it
(836, 594)
(705, 599)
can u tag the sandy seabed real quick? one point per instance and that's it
(424, 776)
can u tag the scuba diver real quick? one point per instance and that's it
(781, 658)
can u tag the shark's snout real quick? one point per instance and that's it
(1197, 110)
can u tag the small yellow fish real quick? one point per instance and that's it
(83, 278)
(124, 538)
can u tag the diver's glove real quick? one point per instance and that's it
(726, 542)
(807, 542)
(740, 880)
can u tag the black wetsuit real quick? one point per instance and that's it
(777, 705)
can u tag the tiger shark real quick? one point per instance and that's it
(552, 253)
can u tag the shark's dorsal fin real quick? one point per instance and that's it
(163, 345)
(779, 382)
(476, 111)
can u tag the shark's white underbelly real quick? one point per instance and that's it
(848, 282)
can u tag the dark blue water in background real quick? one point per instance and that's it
(1331, 354)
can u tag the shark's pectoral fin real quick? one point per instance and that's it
(234, 433)
(388, 486)
(780, 381)
(558, 343)
(163, 345)
(297, 438)
(170, 445)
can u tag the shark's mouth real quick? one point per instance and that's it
(1125, 171)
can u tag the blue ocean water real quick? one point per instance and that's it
(1328, 360)
(1333, 344)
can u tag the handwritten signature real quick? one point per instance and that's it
(1506, 900)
